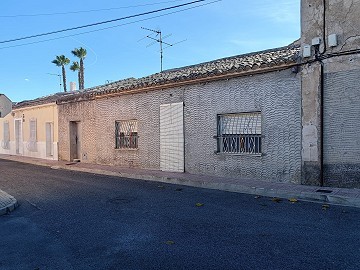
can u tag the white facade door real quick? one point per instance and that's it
(18, 136)
(49, 139)
(172, 137)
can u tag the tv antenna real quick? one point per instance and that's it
(159, 39)
(58, 76)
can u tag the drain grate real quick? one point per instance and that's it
(324, 190)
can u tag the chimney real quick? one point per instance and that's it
(72, 86)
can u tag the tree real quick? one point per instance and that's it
(61, 61)
(76, 67)
(81, 54)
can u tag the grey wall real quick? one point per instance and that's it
(276, 95)
(342, 128)
(5, 105)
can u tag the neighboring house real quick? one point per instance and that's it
(5, 105)
(236, 117)
(331, 92)
(31, 129)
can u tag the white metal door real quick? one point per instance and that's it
(172, 137)
(49, 139)
(18, 136)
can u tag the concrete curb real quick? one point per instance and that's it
(325, 195)
(311, 196)
(7, 203)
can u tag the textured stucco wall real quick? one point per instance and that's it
(82, 112)
(276, 95)
(340, 17)
(342, 127)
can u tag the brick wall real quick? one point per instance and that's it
(276, 95)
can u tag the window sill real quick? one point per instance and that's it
(239, 154)
(126, 149)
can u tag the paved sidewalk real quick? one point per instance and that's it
(339, 196)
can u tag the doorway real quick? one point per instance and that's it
(172, 137)
(49, 139)
(75, 140)
(18, 135)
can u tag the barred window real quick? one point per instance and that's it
(5, 144)
(126, 135)
(32, 146)
(239, 133)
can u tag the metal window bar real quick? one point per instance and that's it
(126, 135)
(239, 133)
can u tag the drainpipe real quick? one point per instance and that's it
(318, 57)
(321, 123)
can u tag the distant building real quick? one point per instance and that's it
(31, 129)
(5, 105)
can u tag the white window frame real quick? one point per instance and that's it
(239, 133)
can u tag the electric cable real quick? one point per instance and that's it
(110, 27)
(99, 23)
(86, 11)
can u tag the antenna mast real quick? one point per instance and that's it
(58, 76)
(158, 38)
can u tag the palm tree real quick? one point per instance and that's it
(76, 67)
(81, 54)
(61, 61)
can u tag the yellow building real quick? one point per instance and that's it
(31, 129)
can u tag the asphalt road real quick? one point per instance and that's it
(71, 220)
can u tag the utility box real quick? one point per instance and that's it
(316, 41)
(332, 40)
(306, 50)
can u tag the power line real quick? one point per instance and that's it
(99, 23)
(86, 11)
(111, 27)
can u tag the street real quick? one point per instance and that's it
(73, 220)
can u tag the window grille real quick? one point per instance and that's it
(5, 144)
(32, 145)
(239, 133)
(126, 135)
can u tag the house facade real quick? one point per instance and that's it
(238, 117)
(330, 42)
(31, 129)
(288, 114)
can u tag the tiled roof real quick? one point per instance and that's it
(226, 66)
(41, 100)
(229, 65)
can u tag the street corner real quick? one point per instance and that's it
(7, 203)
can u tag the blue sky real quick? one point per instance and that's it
(215, 30)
